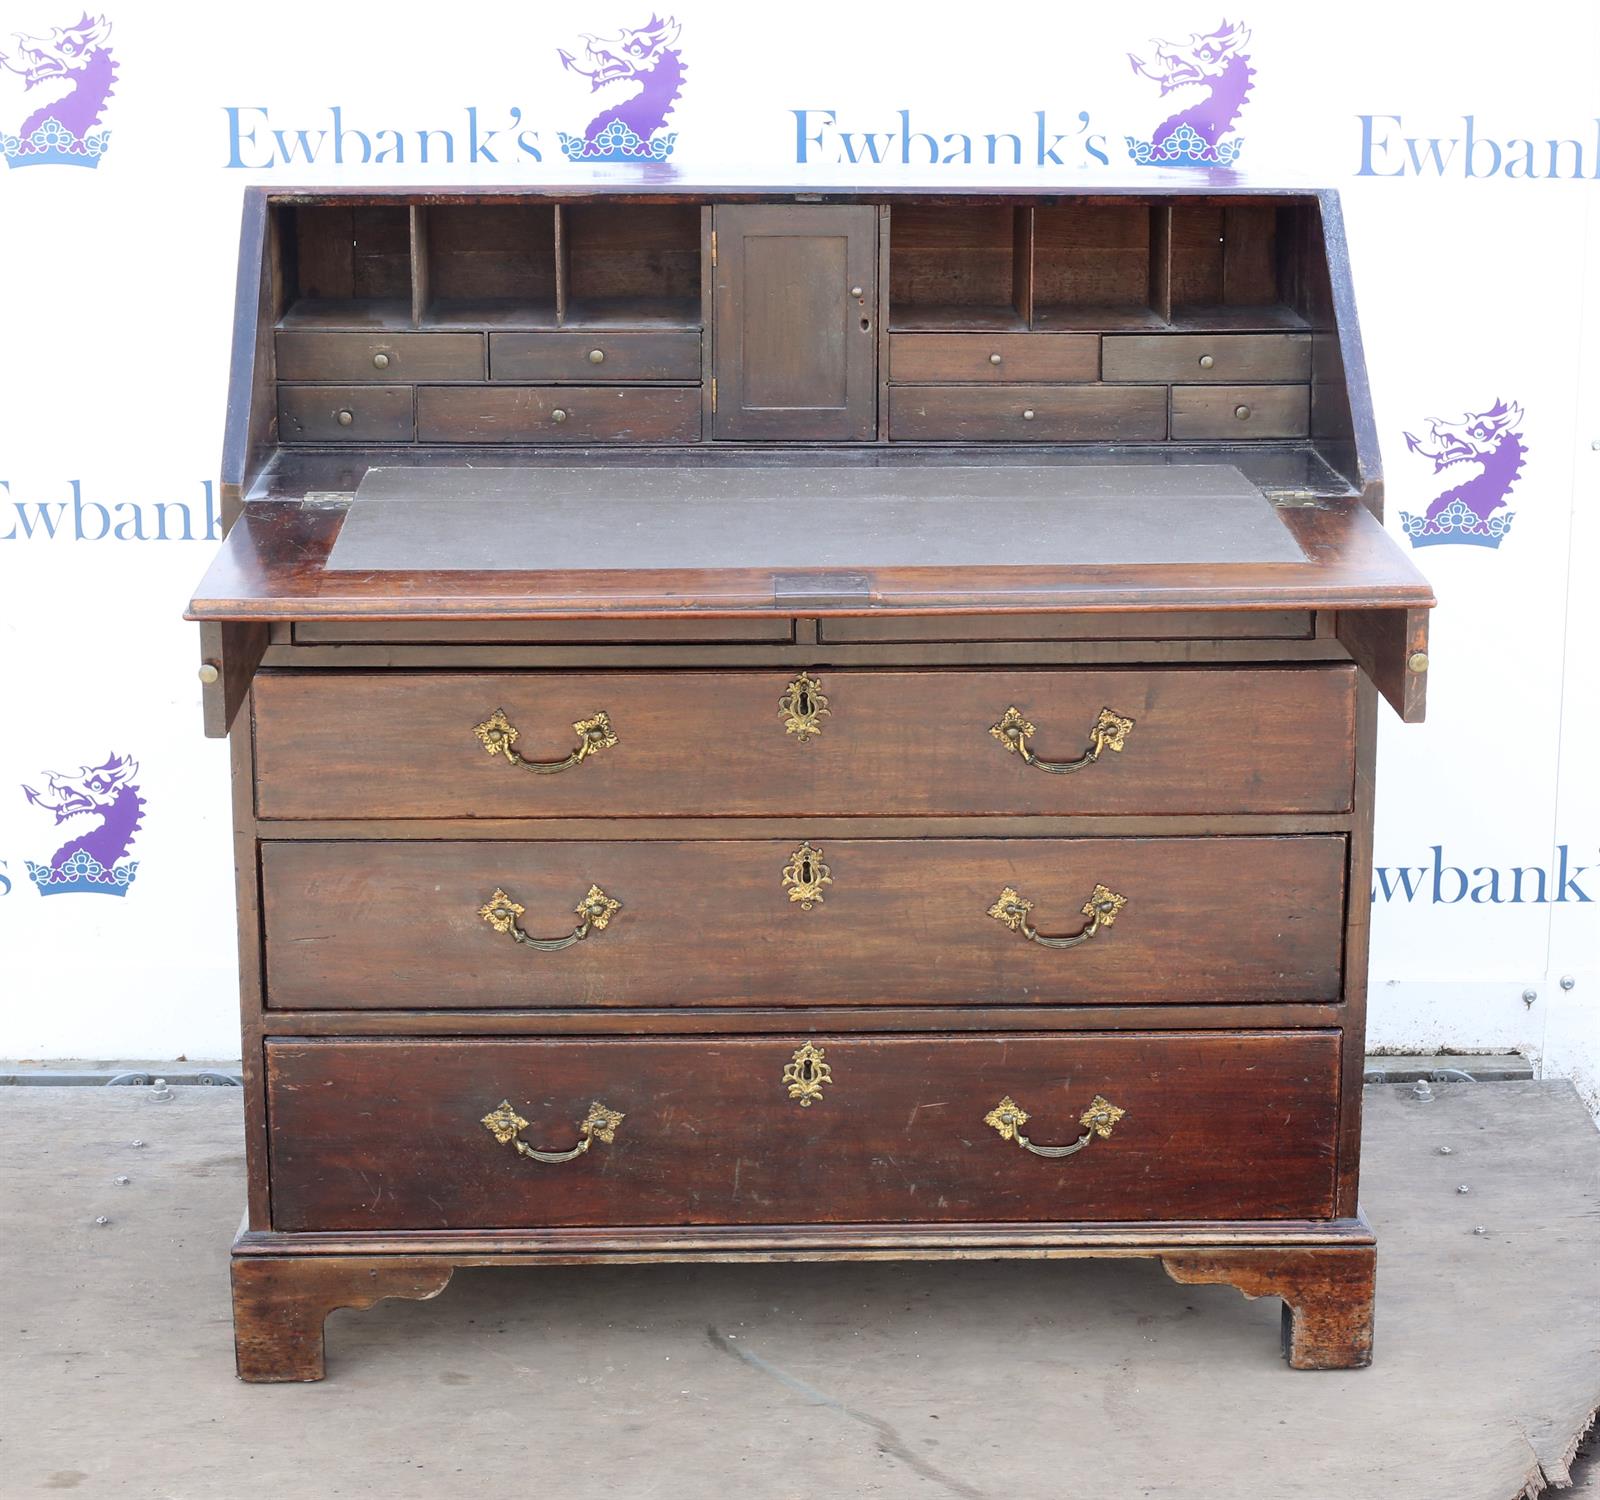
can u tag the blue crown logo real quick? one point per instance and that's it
(1457, 522)
(52, 144)
(616, 142)
(82, 872)
(1185, 147)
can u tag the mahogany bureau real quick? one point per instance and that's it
(801, 726)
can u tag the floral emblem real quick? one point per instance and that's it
(503, 1122)
(498, 733)
(596, 910)
(1008, 1117)
(1013, 908)
(594, 734)
(601, 1123)
(1101, 907)
(501, 912)
(1100, 1117)
(1012, 729)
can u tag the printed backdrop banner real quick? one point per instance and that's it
(1467, 150)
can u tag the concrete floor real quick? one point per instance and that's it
(1005, 1381)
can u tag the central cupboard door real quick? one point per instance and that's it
(795, 338)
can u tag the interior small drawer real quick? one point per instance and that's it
(558, 414)
(1027, 414)
(583, 358)
(405, 924)
(379, 357)
(759, 1130)
(1208, 358)
(345, 413)
(891, 743)
(935, 358)
(1240, 413)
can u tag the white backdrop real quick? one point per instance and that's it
(1476, 271)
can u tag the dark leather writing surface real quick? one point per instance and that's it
(807, 517)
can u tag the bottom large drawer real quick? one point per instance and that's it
(510, 1134)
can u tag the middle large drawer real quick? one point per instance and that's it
(352, 924)
(777, 742)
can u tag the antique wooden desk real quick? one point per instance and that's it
(777, 729)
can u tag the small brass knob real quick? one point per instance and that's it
(1242, 413)
(1206, 361)
(346, 417)
(597, 356)
(558, 415)
(994, 359)
(1418, 661)
(855, 291)
(1027, 416)
(209, 673)
(380, 361)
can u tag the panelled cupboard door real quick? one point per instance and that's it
(796, 349)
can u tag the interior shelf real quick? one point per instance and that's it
(934, 318)
(633, 312)
(1266, 319)
(487, 265)
(380, 315)
(634, 265)
(1069, 318)
(955, 267)
(1138, 266)
(1091, 265)
(345, 267)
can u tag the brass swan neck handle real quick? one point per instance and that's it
(504, 1124)
(1101, 909)
(499, 736)
(594, 912)
(1108, 732)
(1098, 1121)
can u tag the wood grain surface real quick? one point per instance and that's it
(396, 925)
(388, 1134)
(714, 743)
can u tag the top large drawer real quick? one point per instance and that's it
(775, 743)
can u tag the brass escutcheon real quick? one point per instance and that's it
(801, 706)
(805, 875)
(805, 1073)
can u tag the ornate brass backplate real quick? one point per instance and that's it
(805, 875)
(801, 706)
(805, 1073)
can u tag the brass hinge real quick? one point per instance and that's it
(713, 247)
(713, 393)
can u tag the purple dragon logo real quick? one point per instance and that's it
(642, 72)
(1194, 136)
(1472, 513)
(102, 810)
(75, 71)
